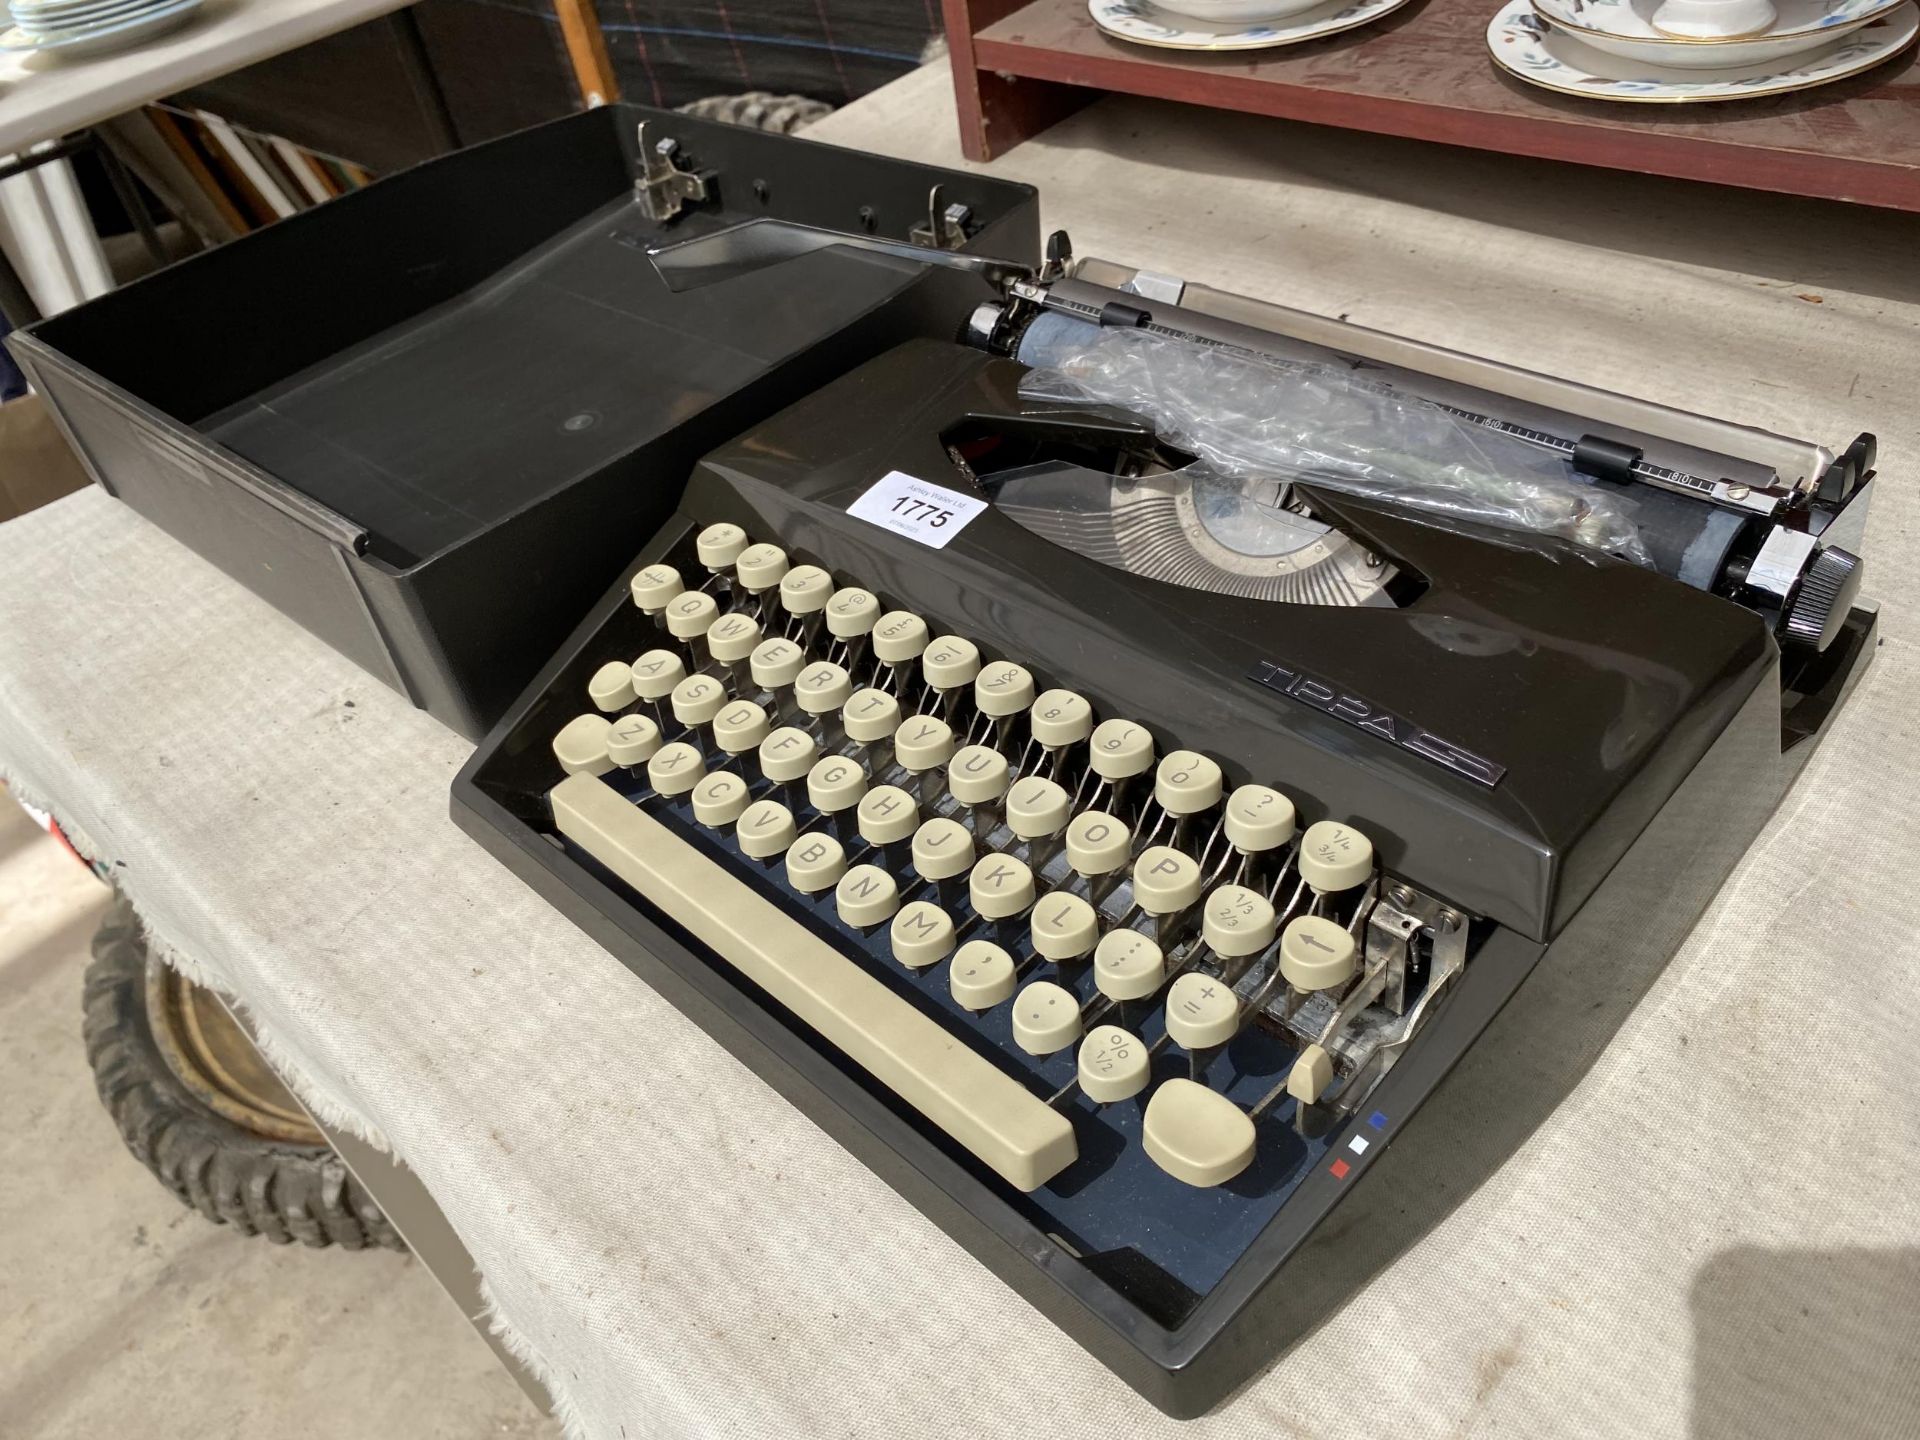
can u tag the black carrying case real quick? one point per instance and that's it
(433, 419)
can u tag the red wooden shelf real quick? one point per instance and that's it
(1424, 72)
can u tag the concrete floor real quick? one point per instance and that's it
(121, 1313)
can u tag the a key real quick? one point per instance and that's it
(1000, 886)
(1060, 718)
(655, 585)
(804, 590)
(656, 673)
(1316, 953)
(1258, 819)
(718, 546)
(923, 744)
(852, 613)
(740, 726)
(787, 754)
(1037, 808)
(760, 568)
(697, 699)
(1128, 965)
(1237, 922)
(1196, 1135)
(675, 769)
(766, 828)
(1046, 1018)
(948, 667)
(1120, 749)
(1202, 1011)
(1114, 1065)
(866, 896)
(732, 637)
(1098, 844)
(775, 664)
(581, 747)
(887, 815)
(690, 613)
(1187, 783)
(899, 637)
(1063, 926)
(611, 687)
(982, 975)
(719, 799)
(870, 716)
(835, 784)
(1311, 1075)
(1165, 881)
(815, 862)
(822, 688)
(1003, 689)
(942, 850)
(922, 934)
(632, 740)
(977, 775)
(1334, 857)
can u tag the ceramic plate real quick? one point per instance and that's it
(111, 35)
(1525, 44)
(1700, 54)
(93, 17)
(1632, 19)
(1143, 24)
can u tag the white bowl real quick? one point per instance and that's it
(1236, 12)
(1626, 30)
(1714, 19)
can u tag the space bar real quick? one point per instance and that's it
(1011, 1130)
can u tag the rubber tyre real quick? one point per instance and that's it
(228, 1173)
(758, 110)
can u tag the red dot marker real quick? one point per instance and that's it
(1339, 1168)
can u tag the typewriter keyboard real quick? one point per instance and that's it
(1111, 977)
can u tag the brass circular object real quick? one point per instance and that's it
(212, 1056)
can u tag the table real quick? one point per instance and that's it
(1716, 1235)
(45, 97)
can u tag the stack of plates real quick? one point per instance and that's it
(1232, 24)
(1612, 50)
(85, 26)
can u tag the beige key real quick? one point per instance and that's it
(1037, 808)
(1201, 1011)
(1128, 965)
(1310, 1076)
(761, 567)
(870, 716)
(633, 739)
(1334, 857)
(950, 662)
(740, 726)
(822, 688)
(923, 742)
(866, 896)
(654, 585)
(1165, 880)
(887, 815)
(1195, 1135)
(675, 769)
(581, 747)
(697, 699)
(1316, 953)
(991, 1114)
(1258, 819)
(835, 784)
(1003, 688)
(815, 862)
(922, 934)
(982, 975)
(852, 612)
(719, 799)
(1098, 843)
(1186, 783)
(775, 664)
(732, 637)
(804, 590)
(718, 546)
(1114, 1065)
(977, 775)
(690, 613)
(942, 850)
(1063, 926)
(765, 829)
(611, 687)
(1046, 1018)
(1060, 717)
(1000, 886)
(656, 673)
(1119, 749)
(1237, 922)
(899, 636)
(787, 754)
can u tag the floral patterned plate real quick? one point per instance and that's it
(1144, 24)
(1632, 19)
(1525, 44)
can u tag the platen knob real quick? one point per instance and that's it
(1827, 592)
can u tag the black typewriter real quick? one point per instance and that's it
(1185, 922)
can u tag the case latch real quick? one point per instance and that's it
(663, 188)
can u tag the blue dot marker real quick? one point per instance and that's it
(1378, 1120)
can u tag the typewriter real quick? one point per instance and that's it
(1183, 923)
